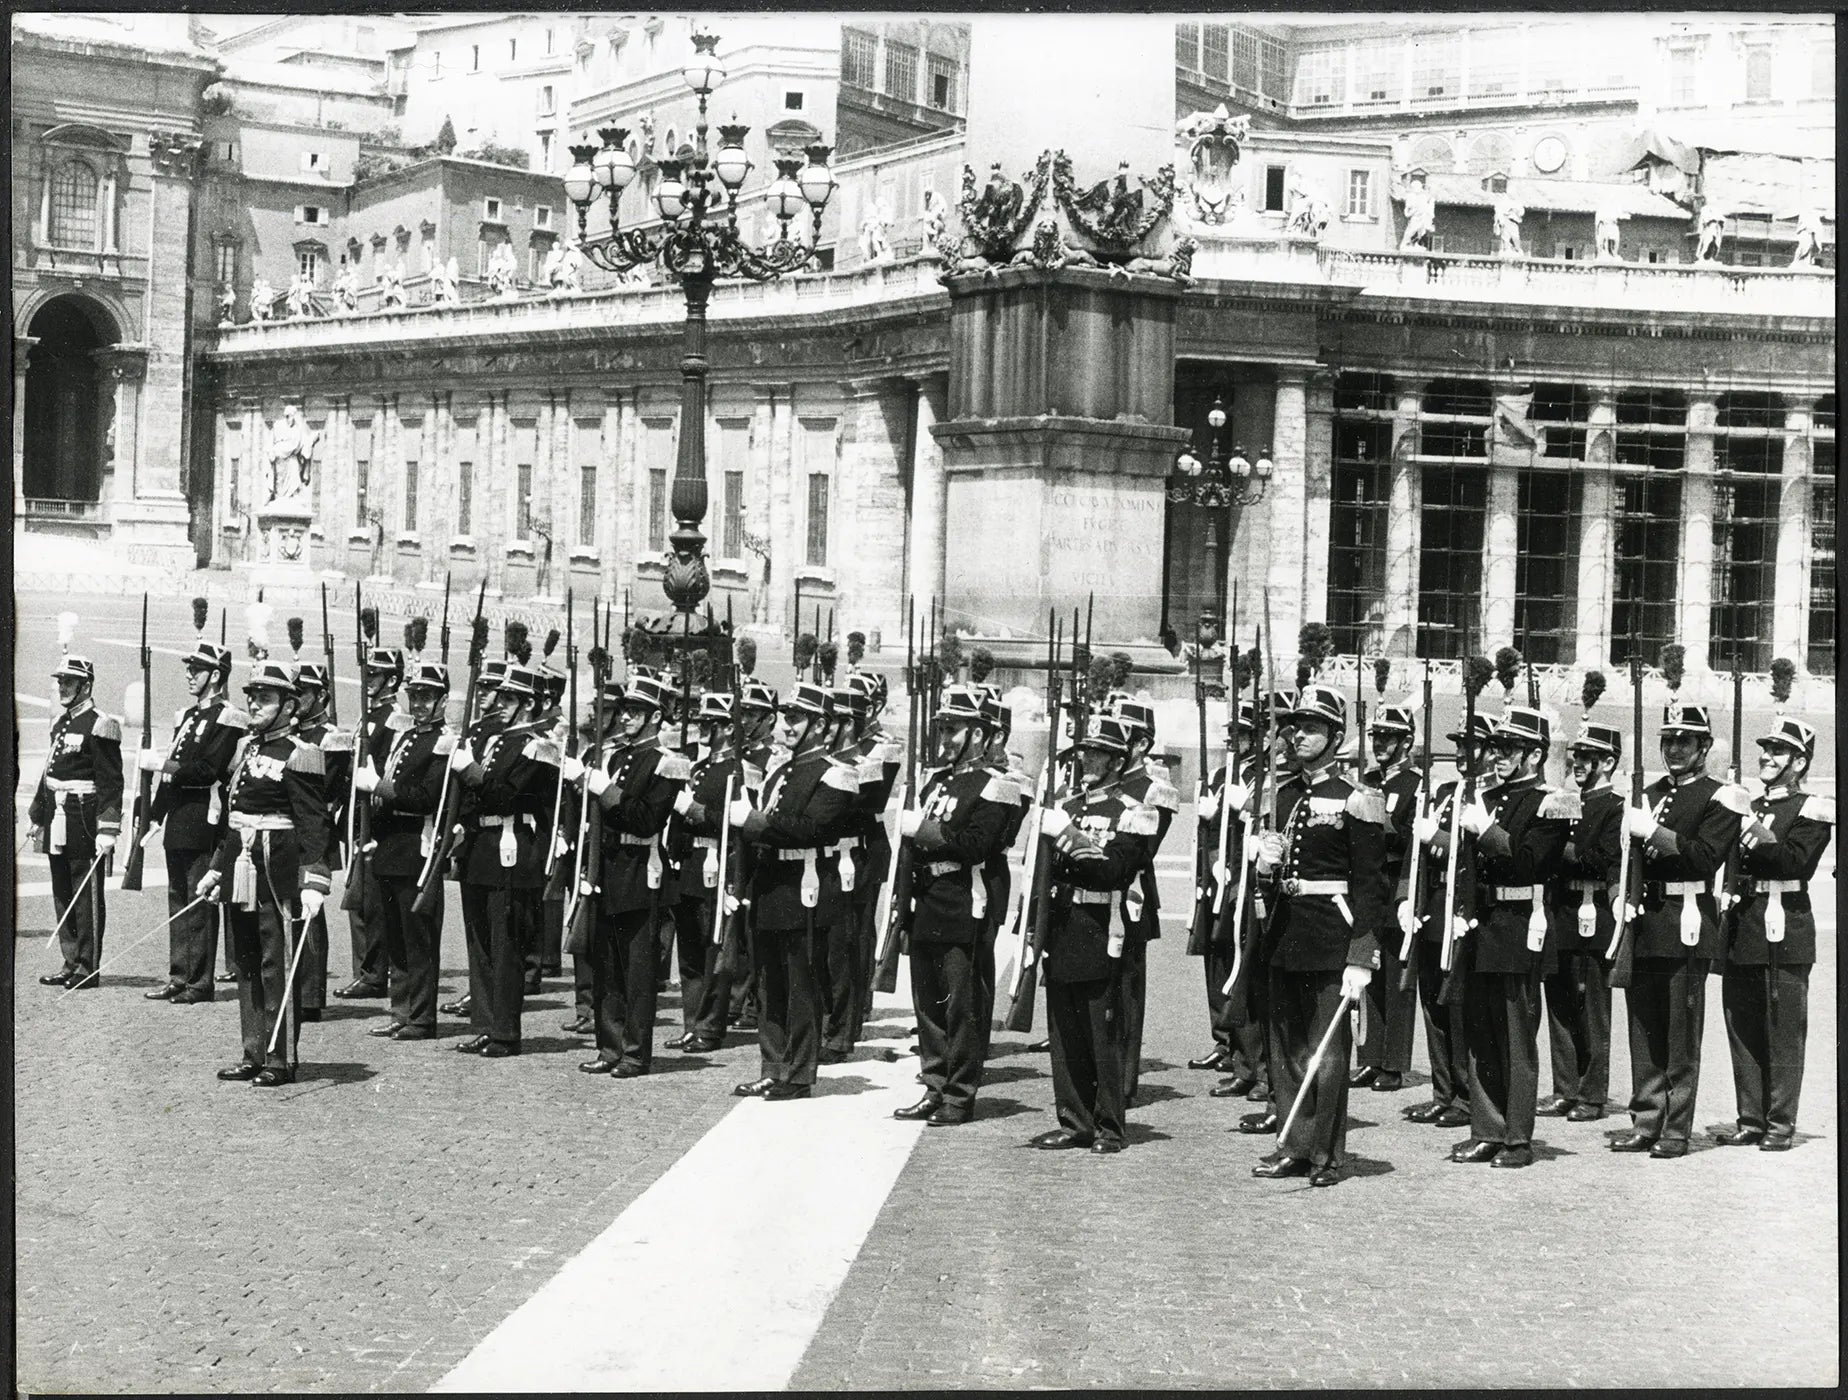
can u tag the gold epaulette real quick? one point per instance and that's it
(1818, 809)
(1163, 794)
(1001, 788)
(232, 718)
(674, 766)
(337, 741)
(888, 752)
(1563, 804)
(106, 727)
(445, 743)
(541, 750)
(305, 757)
(841, 777)
(1140, 819)
(1734, 798)
(397, 722)
(1367, 804)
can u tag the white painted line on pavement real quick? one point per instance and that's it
(802, 1184)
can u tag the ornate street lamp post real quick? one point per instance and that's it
(697, 242)
(1214, 486)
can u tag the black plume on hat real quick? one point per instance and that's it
(418, 633)
(295, 635)
(477, 641)
(369, 623)
(551, 642)
(200, 607)
(513, 638)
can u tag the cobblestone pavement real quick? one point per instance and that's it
(367, 1227)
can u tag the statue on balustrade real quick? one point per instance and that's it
(227, 304)
(1508, 213)
(564, 268)
(391, 284)
(1809, 239)
(875, 243)
(1420, 212)
(301, 296)
(1609, 225)
(443, 278)
(1712, 230)
(292, 445)
(1214, 142)
(935, 225)
(346, 290)
(1309, 212)
(503, 272)
(262, 299)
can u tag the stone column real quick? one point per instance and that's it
(1404, 532)
(22, 351)
(924, 549)
(873, 577)
(121, 372)
(1318, 493)
(1286, 507)
(1597, 559)
(1790, 594)
(757, 522)
(1499, 550)
(626, 470)
(1696, 597)
(785, 547)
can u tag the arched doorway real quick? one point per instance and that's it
(65, 436)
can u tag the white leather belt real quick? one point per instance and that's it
(251, 821)
(801, 853)
(945, 867)
(1092, 896)
(852, 843)
(1510, 894)
(706, 843)
(626, 838)
(1294, 886)
(74, 787)
(1776, 886)
(1684, 887)
(487, 823)
(1587, 886)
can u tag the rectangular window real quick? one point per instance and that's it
(436, 63)
(542, 216)
(1648, 550)
(235, 506)
(1187, 46)
(1450, 562)
(1244, 57)
(362, 472)
(1382, 75)
(74, 203)
(1495, 59)
(1273, 69)
(1357, 534)
(731, 544)
(513, 50)
(1437, 69)
(314, 161)
(465, 498)
(1821, 653)
(1273, 188)
(310, 214)
(481, 257)
(1758, 73)
(858, 51)
(942, 95)
(474, 58)
(587, 504)
(1214, 51)
(491, 209)
(548, 101)
(1321, 78)
(1545, 568)
(410, 497)
(308, 262)
(549, 41)
(792, 102)
(227, 264)
(523, 501)
(657, 508)
(817, 552)
(545, 150)
(901, 71)
(1360, 194)
(1744, 571)
(1684, 78)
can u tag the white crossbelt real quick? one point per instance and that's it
(1510, 894)
(1294, 886)
(1092, 896)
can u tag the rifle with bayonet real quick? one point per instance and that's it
(728, 931)
(1214, 874)
(361, 895)
(443, 842)
(894, 909)
(555, 876)
(327, 647)
(144, 789)
(1243, 896)
(1629, 902)
(443, 631)
(1735, 858)
(580, 910)
(1037, 877)
(1408, 947)
(1460, 873)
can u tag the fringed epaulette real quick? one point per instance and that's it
(1817, 808)
(305, 757)
(841, 776)
(337, 741)
(541, 750)
(232, 718)
(888, 752)
(106, 727)
(1002, 789)
(1163, 795)
(1367, 804)
(397, 721)
(1140, 819)
(674, 766)
(445, 744)
(1734, 798)
(1562, 804)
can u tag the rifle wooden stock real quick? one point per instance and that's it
(1408, 949)
(443, 842)
(144, 787)
(1630, 865)
(360, 895)
(1018, 1016)
(897, 897)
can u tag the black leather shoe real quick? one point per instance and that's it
(1740, 1137)
(628, 1069)
(1258, 1123)
(1283, 1166)
(1213, 1059)
(1632, 1142)
(390, 1028)
(1554, 1107)
(1325, 1176)
(679, 1042)
(948, 1117)
(531, 987)
(1387, 1081)
(1058, 1140)
(598, 1066)
(1231, 1088)
(359, 991)
(272, 1078)
(1363, 1076)
(1669, 1147)
(498, 1050)
(240, 1072)
(1452, 1118)
(1585, 1113)
(1522, 1156)
(700, 1047)
(1775, 1144)
(60, 979)
(158, 994)
(581, 1026)
(1039, 1047)
(225, 977)
(1258, 1093)
(1424, 1113)
(756, 1089)
(86, 984)
(310, 1014)
(832, 1055)
(472, 1046)
(458, 1007)
(1475, 1150)
(745, 1023)
(414, 1033)
(1106, 1147)
(918, 1111)
(186, 998)
(782, 1089)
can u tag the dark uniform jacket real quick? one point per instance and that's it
(644, 780)
(967, 813)
(1587, 871)
(337, 778)
(807, 803)
(278, 779)
(1700, 821)
(995, 870)
(189, 800)
(1333, 834)
(1521, 850)
(693, 837)
(1400, 789)
(86, 749)
(1781, 870)
(1432, 892)
(1083, 890)
(1148, 788)
(1210, 814)
(507, 792)
(877, 757)
(405, 801)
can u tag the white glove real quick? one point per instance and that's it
(1425, 829)
(1238, 794)
(683, 801)
(207, 883)
(366, 778)
(312, 900)
(597, 779)
(909, 821)
(1252, 847)
(571, 768)
(1208, 807)
(1639, 823)
(151, 760)
(1354, 981)
(1475, 818)
(105, 843)
(1054, 822)
(152, 839)
(1757, 834)
(739, 812)
(460, 758)
(1270, 852)
(1408, 921)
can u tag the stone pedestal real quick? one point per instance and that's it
(284, 568)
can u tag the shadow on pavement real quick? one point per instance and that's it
(1147, 1094)
(992, 1108)
(1134, 1133)
(1544, 1151)
(1368, 1166)
(843, 1084)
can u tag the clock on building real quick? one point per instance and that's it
(1549, 154)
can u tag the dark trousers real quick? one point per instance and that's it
(1578, 1025)
(1134, 982)
(311, 976)
(947, 993)
(663, 926)
(1444, 1035)
(744, 981)
(624, 965)
(1667, 1004)
(1084, 1021)
(789, 1003)
(705, 987)
(985, 979)
(1218, 966)
(865, 955)
(1302, 1004)
(532, 937)
(834, 953)
(261, 946)
(1248, 1012)
(1767, 1039)
(413, 945)
(366, 931)
(1501, 1024)
(496, 985)
(583, 999)
(1392, 1015)
(80, 938)
(552, 937)
(192, 939)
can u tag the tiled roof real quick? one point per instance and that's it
(1571, 196)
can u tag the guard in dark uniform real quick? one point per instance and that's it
(1684, 830)
(879, 757)
(758, 705)
(478, 726)
(314, 725)
(366, 926)
(1578, 994)
(270, 871)
(1101, 842)
(1251, 1005)
(1765, 987)
(843, 863)
(1215, 940)
(955, 829)
(189, 807)
(1323, 868)
(1004, 764)
(635, 785)
(807, 801)
(1445, 1037)
(693, 844)
(507, 776)
(1146, 787)
(76, 817)
(546, 957)
(404, 794)
(1520, 829)
(1384, 1056)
